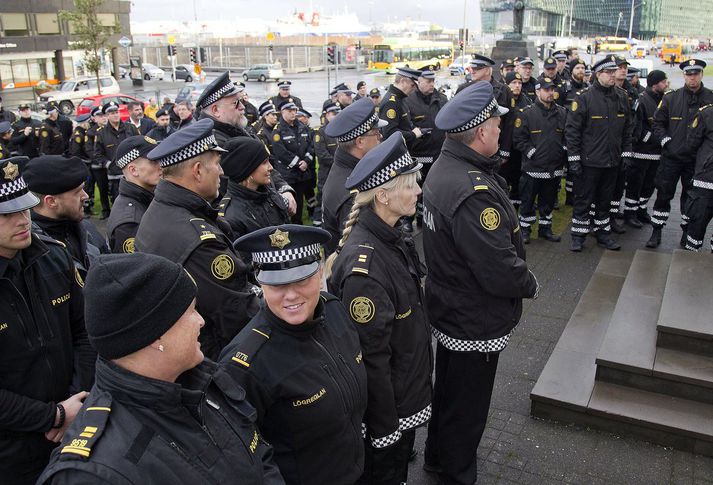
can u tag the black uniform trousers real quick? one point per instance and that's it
(89, 189)
(511, 172)
(594, 186)
(102, 180)
(461, 400)
(113, 189)
(322, 174)
(618, 193)
(699, 208)
(300, 189)
(545, 191)
(669, 172)
(639, 185)
(388, 466)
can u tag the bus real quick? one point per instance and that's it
(614, 44)
(413, 53)
(677, 50)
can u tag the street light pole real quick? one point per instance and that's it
(465, 37)
(571, 13)
(631, 19)
(616, 33)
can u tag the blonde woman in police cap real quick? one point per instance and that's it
(377, 274)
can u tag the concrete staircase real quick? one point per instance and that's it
(636, 357)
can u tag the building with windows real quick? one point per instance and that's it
(591, 18)
(35, 45)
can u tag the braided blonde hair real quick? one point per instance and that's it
(367, 199)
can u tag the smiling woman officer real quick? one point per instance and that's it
(299, 361)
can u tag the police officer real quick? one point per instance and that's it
(300, 362)
(343, 95)
(539, 136)
(362, 90)
(264, 126)
(108, 139)
(675, 112)
(46, 358)
(80, 146)
(251, 201)
(518, 100)
(98, 171)
(393, 109)
(598, 135)
(304, 116)
(356, 129)
(159, 411)
(163, 127)
(136, 188)
(59, 184)
(377, 275)
(508, 65)
(324, 146)
(477, 278)
(511, 169)
(6, 115)
(577, 82)
(525, 67)
(26, 131)
(647, 152)
(284, 88)
(633, 76)
(375, 96)
(550, 71)
(251, 112)
(181, 225)
(5, 138)
(699, 205)
(292, 147)
(51, 139)
(561, 57)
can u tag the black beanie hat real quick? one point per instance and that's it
(133, 299)
(244, 155)
(655, 77)
(54, 174)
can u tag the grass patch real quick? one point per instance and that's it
(560, 218)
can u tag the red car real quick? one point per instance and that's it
(122, 100)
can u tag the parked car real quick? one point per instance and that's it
(122, 100)
(458, 66)
(152, 72)
(185, 72)
(190, 92)
(71, 92)
(263, 72)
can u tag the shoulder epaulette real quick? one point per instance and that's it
(250, 344)
(669, 91)
(92, 425)
(203, 229)
(328, 297)
(705, 107)
(479, 184)
(49, 240)
(364, 256)
(392, 98)
(223, 206)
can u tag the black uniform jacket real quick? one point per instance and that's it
(378, 278)
(290, 144)
(599, 127)
(249, 210)
(160, 133)
(575, 89)
(477, 274)
(674, 114)
(92, 134)
(646, 144)
(126, 213)
(106, 144)
(179, 225)
(336, 200)
(324, 148)
(137, 430)
(308, 385)
(51, 139)
(277, 100)
(79, 145)
(539, 135)
(27, 145)
(700, 138)
(45, 354)
(423, 110)
(503, 96)
(394, 111)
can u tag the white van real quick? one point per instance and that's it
(70, 93)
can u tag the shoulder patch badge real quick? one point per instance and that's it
(391, 113)
(574, 106)
(361, 309)
(128, 246)
(78, 139)
(518, 123)
(490, 218)
(45, 134)
(276, 137)
(222, 267)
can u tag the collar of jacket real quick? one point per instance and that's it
(172, 194)
(303, 330)
(238, 190)
(230, 130)
(136, 192)
(693, 93)
(396, 91)
(376, 226)
(344, 158)
(460, 151)
(603, 89)
(59, 228)
(427, 98)
(29, 255)
(654, 95)
(541, 105)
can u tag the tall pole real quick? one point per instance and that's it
(616, 33)
(571, 13)
(465, 37)
(631, 19)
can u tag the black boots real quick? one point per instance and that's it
(526, 236)
(617, 227)
(607, 242)
(546, 233)
(577, 244)
(633, 221)
(655, 238)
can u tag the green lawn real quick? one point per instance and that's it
(708, 71)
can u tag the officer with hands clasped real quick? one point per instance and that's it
(300, 362)
(377, 275)
(159, 411)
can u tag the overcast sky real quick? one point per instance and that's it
(448, 13)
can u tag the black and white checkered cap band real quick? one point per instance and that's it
(380, 177)
(132, 155)
(13, 190)
(188, 152)
(219, 93)
(287, 255)
(360, 130)
(692, 67)
(479, 118)
(606, 65)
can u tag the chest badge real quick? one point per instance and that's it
(490, 219)
(362, 309)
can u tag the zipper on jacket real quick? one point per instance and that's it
(339, 388)
(352, 374)
(22, 324)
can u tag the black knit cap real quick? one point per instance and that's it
(54, 174)
(244, 155)
(133, 299)
(655, 77)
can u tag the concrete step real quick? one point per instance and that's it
(686, 317)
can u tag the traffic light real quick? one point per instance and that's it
(204, 56)
(541, 51)
(270, 48)
(192, 55)
(330, 54)
(171, 50)
(461, 46)
(358, 46)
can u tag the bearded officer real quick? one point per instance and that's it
(181, 225)
(477, 278)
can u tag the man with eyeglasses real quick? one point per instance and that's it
(675, 112)
(598, 135)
